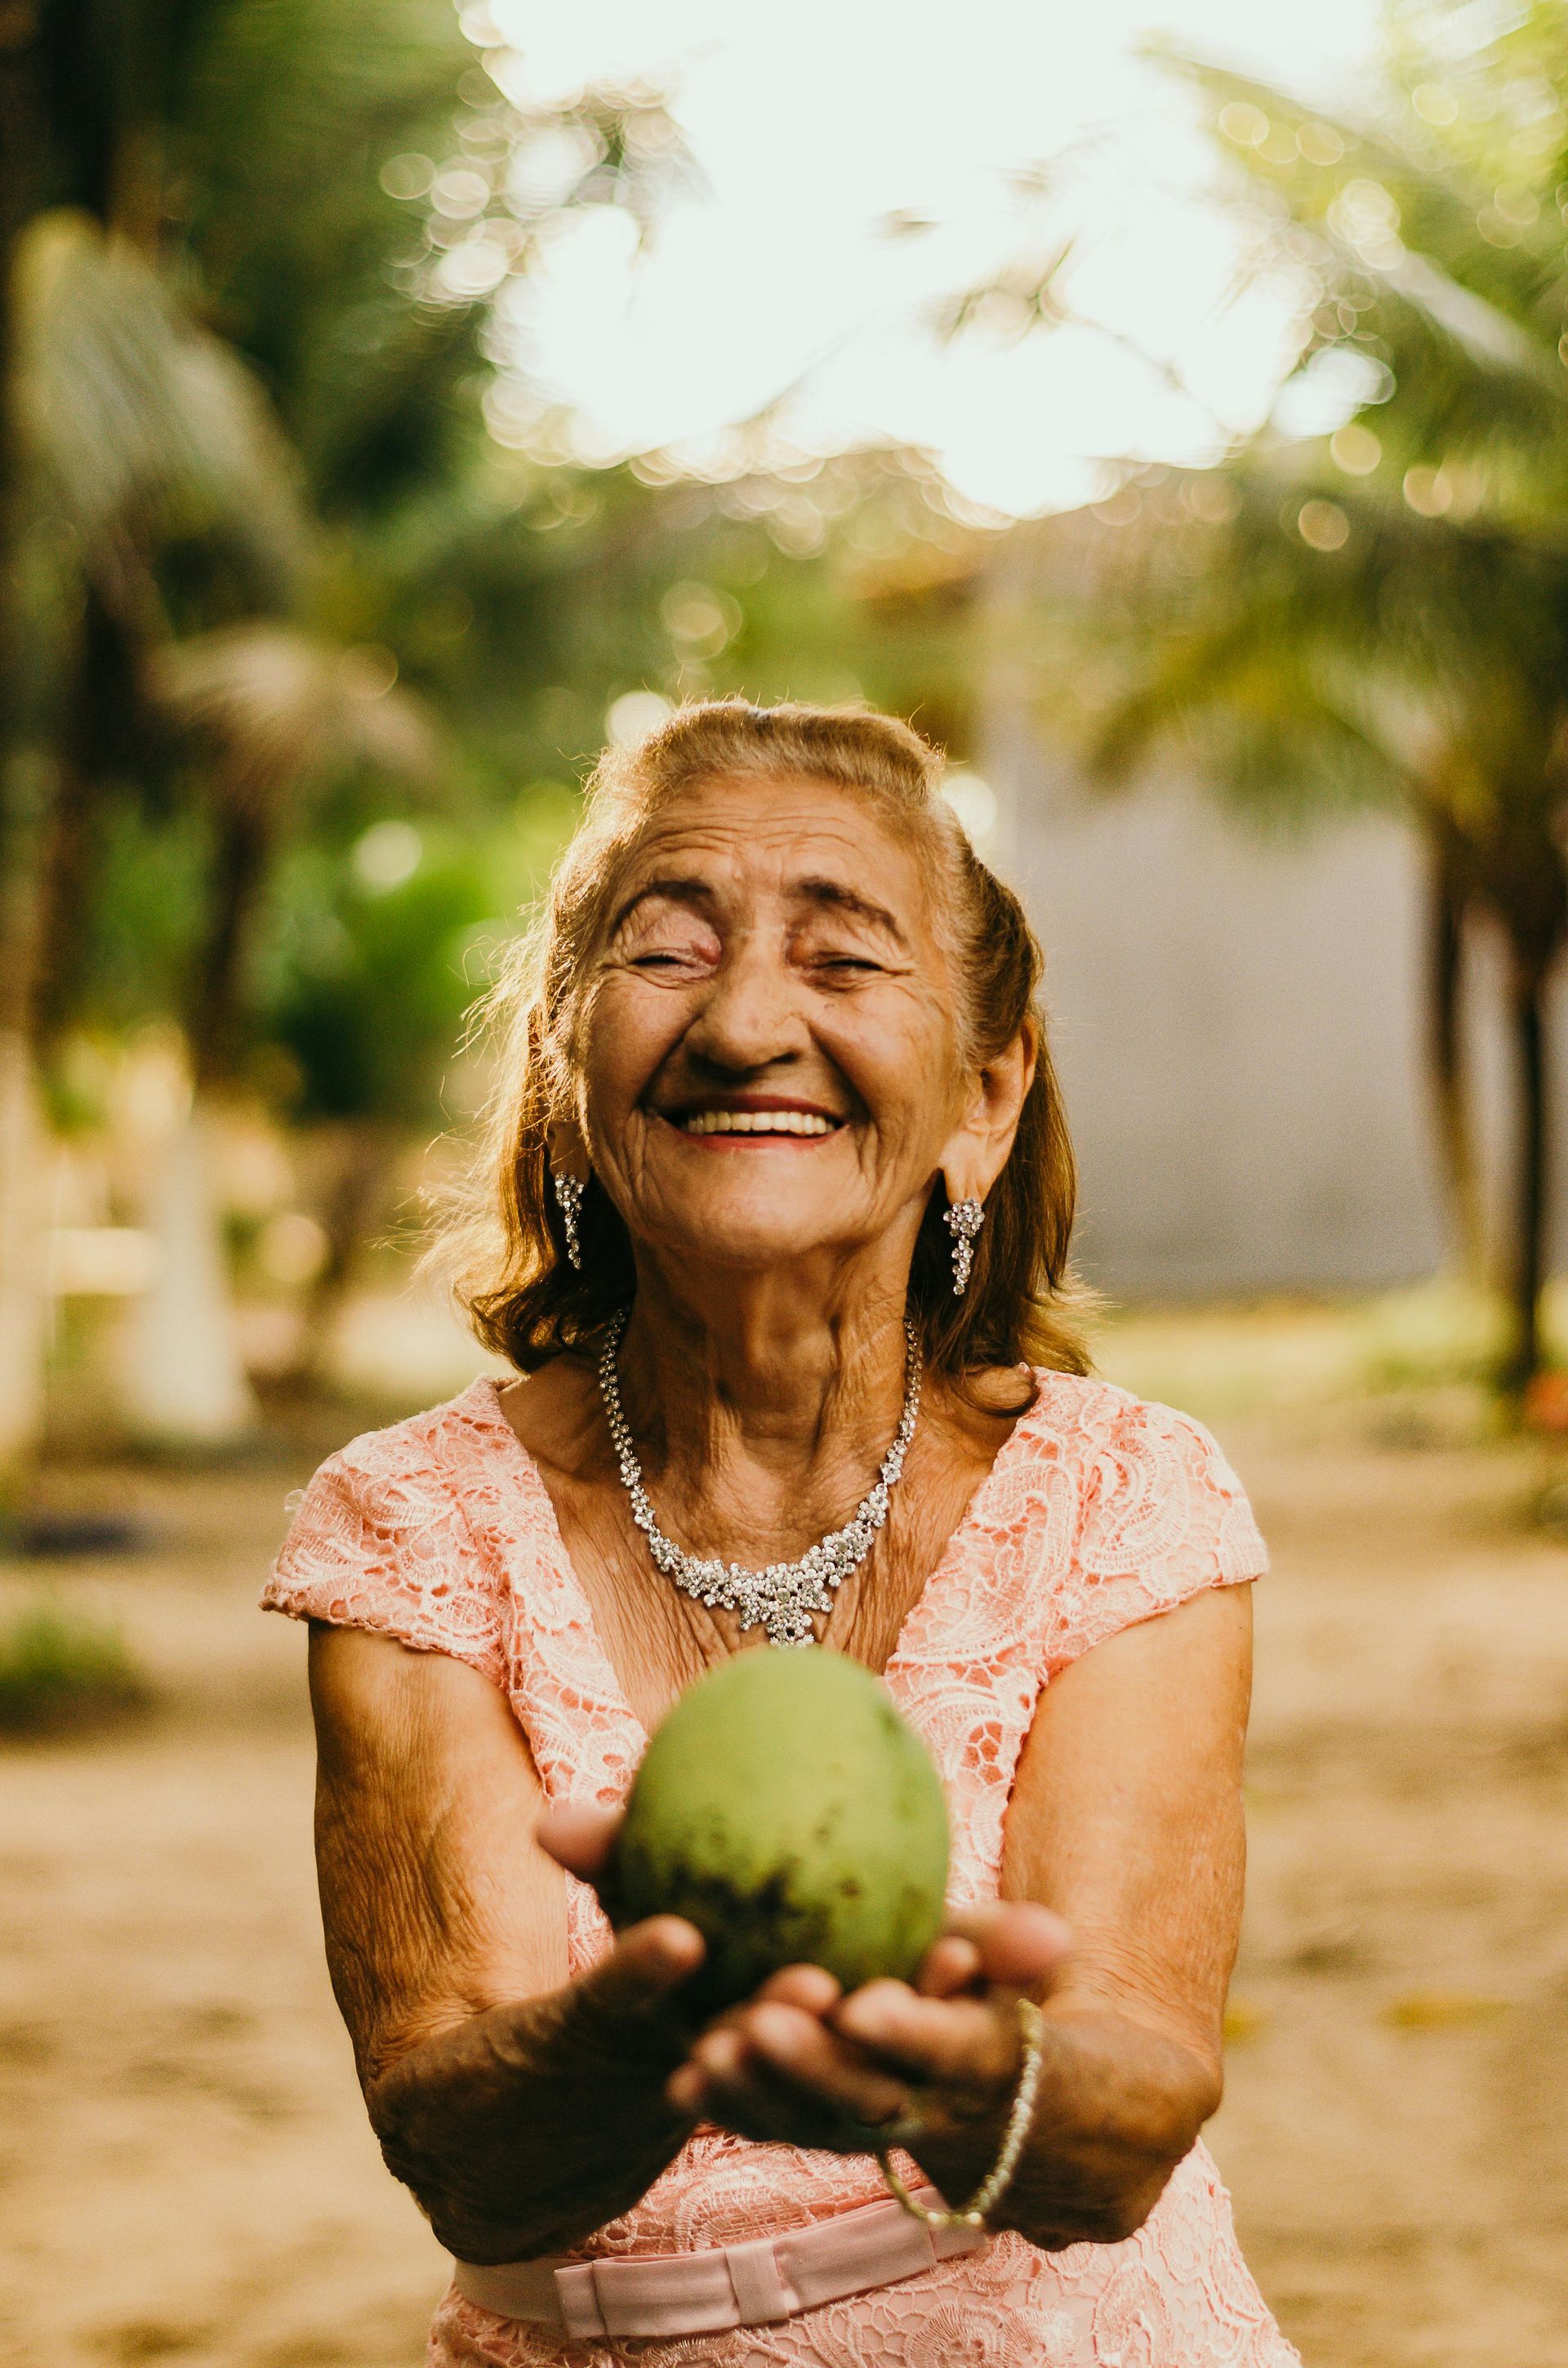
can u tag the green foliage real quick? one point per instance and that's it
(247, 200)
(1388, 607)
(62, 1668)
(378, 951)
(1402, 589)
(284, 119)
(140, 948)
(256, 392)
(137, 422)
(326, 269)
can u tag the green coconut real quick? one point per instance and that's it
(788, 1811)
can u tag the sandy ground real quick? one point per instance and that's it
(185, 2172)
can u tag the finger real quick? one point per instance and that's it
(686, 2089)
(965, 2042)
(951, 1964)
(730, 2082)
(811, 1987)
(579, 1836)
(720, 2055)
(756, 2107)
(1020, 1944)
(714, 2082)
(802, 2051)
(648, 1963)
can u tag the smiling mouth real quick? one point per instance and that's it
(796, 1122)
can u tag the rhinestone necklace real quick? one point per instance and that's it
(782, 1597)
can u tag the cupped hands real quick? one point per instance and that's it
(803, 2063)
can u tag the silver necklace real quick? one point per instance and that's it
(782, 1597)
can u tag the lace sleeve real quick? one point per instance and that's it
(378, 1540)
(1163, 1517)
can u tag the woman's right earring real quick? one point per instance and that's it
(569, 1192)
(964, 1220)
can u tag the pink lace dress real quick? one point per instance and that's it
(1100, 1511)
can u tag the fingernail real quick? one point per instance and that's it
(861, 2021)
(718, 2053)
(773, 2025)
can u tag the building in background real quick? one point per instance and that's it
(1237, 1022)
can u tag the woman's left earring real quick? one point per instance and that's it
(964, 1220)
(569, 1197)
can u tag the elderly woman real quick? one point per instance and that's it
(784, 1195)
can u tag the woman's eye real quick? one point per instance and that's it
(664, 960)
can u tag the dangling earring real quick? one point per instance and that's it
(569, 1192)
(963, 1220)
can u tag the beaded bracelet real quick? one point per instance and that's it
(995, 2186)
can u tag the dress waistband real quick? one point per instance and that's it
(703, 2293)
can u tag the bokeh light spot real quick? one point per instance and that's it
(1355, 450)
(1320, 143)
(1428, 491)
(634, 714)
(1434, 104)
(974, 800)
(291, 1248)
(1322, 525)
(407, 176)
(386, 856)
(1244, 124)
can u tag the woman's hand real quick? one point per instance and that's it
(803, 2063)
(631, 1997)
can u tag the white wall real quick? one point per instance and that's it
(1238, 1026)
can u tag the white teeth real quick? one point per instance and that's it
(720, 1122)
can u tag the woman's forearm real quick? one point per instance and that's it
(524, 2128)
(1119, 2104)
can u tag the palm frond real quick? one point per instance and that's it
(1023, 295)
(136, 421)
(1415, 270)
(279, 709)
(1436, 208)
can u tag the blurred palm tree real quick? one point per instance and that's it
(125, 423)
(1383, 612)
(226, 347)
(1416, 663)
(1433, 241)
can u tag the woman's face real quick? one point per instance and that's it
(769, 1045)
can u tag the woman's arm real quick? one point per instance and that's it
(523, 2109)
(1125, 1820)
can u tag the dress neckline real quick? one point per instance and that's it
(911, 1639)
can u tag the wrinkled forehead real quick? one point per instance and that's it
(753, 840)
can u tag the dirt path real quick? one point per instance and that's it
(184, 2173)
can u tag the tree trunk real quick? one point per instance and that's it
(99, 692)
(24, 1303)
(24, 785)
(1527, 1011)
(239, 881)
(1448, 1070)
(184, 1385)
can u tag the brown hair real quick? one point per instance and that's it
(523, 1297)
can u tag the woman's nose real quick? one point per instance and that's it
(751, 1014)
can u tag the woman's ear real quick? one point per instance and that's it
(976, 1151)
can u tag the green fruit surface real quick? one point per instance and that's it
(793, 1815)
